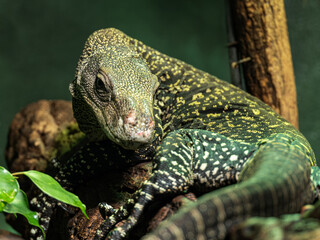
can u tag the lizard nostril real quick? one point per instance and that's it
(130, 119)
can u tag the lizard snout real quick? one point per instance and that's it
(139, 127)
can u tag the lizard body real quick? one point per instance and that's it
(199, 132)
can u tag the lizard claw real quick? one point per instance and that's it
(36, 234)
(106, 210)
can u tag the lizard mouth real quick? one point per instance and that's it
(131, 132)
(137, 130)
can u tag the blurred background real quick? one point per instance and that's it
(41, 41)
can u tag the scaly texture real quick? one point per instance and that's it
(136, 104)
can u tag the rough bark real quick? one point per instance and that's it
(262, 36)
(32, 134)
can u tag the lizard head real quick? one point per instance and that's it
(113, 93)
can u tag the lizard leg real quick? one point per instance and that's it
(172, 174)
(183, 155)
(275, 181)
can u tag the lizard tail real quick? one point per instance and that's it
(275, 181)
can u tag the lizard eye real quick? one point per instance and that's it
(102, 91)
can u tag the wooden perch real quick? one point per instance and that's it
(262, 36)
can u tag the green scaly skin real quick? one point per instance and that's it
(136, 104)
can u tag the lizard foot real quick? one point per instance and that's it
(105, 209)
(44, 206)
(103, 229)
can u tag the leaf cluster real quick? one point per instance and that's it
(14, 200)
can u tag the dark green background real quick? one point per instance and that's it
(41, 40)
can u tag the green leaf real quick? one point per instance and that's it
(52, 188)
(2, 205)
(20, 205)
(9, 186)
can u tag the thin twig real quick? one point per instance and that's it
(232, 48)
(244, 60)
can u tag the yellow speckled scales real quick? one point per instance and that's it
(200, 132)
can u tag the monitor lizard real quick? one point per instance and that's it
(137, 104)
